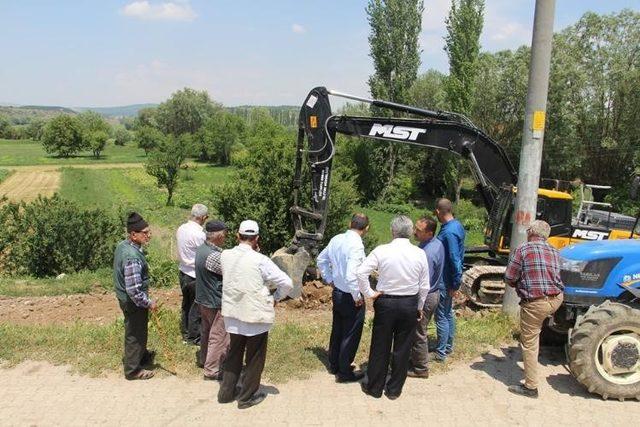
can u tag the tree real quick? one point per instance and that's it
(146, 117)
(63, 136)
(122, 136)
(148, 138)
(5, 127)
(96, 141)
(165, 161)
(260, 188)
(462, 44)
(395, 28)
(36, 128)
(219, 134)
(185, 112)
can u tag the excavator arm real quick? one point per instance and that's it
(317, 130)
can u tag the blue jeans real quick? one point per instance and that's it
(445, 324)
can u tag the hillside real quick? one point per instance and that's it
(27, 113)
(119, 111)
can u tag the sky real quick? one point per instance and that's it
(101, 53)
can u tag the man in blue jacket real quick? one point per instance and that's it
(452, 237)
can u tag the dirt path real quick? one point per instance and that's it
(28, 184)
(44, 168)
(472, 393)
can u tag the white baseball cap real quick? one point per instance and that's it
(249, 227)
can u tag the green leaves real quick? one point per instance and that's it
(63, 136)
(165, 161)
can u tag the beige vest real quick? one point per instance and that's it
(245, 295)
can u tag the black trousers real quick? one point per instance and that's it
(346, 331)
(394, 324)
(190, 316)
(136, 321)
(254, 352)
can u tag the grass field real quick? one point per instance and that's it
(296, 346)
(27, 152)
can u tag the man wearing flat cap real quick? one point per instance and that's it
(131, 282)
(248, 310)
(214, 342)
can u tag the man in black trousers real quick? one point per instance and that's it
(338, 263)
(403, 285)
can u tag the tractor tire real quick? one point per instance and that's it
(586, 351)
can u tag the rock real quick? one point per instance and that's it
(318, 284)
(61, 276)
(28, 302)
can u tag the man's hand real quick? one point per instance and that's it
(453, 293)
(376, 295)
(420, 315)
(359, 302)
(153, 306)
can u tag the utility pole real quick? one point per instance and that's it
(532, 135)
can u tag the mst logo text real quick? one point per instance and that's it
(404, 133)
(590, 234)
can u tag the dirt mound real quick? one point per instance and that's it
(315, 294)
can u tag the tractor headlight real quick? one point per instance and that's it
(572, 265)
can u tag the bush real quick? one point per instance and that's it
(62, 136)
(50, 236)
(260, 189)
(474, 218)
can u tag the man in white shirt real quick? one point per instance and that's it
(337, 264)
(189, 237)
(403, 285)
(248, 311)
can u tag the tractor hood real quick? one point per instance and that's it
(602, 249)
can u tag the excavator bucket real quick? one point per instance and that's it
(294, 264)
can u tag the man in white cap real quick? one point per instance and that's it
(189, 237)
(248, 311)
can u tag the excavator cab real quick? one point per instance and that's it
(554, 207)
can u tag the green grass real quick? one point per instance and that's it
(381, 225)
(296, 347)
(74, 283)
(27, 152)
(4, 173)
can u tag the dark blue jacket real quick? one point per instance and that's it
(452, 237)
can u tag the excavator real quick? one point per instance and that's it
(494, 175)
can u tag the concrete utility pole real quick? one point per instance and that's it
(532, 135)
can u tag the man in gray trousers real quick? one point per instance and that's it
(425, 230)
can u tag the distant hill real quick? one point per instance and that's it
(121, 111)
(27, 113)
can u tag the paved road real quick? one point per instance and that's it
(474, 393)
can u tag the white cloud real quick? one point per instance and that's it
(298, 29)
(178, 10)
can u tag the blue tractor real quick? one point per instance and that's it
(601, 316)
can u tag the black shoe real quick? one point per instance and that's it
(524, 391)
(418, 374)
(148, 358)
(213, 378)
(355, 376)
(365, 390)
(391, 396)
(255, 399)
(332, 371)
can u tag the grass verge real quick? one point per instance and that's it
(75, 283)
(296, 347)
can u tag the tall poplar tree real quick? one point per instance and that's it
(395, 29)
(462, 44)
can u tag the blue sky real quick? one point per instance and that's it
(109, 52)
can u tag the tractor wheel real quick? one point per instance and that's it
(604, 351)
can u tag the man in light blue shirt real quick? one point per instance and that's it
(425, 230)
(338, 263)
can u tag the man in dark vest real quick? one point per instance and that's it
(131, 282)
(214, 342)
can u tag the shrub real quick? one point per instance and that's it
(62, 136)
(473, 217)
(50, 236)
(260, 189)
